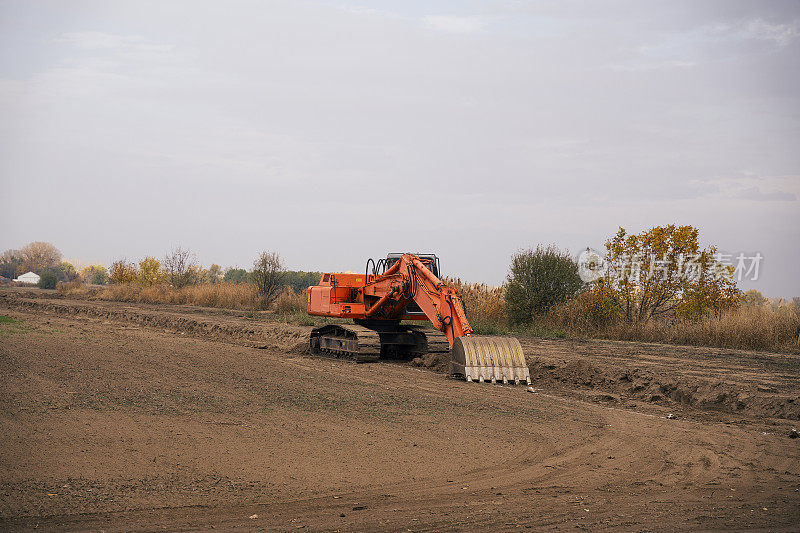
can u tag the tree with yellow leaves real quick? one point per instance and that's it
(664, 271)
(150, 272)
(39, 256)
(96, 274)
(123, 272)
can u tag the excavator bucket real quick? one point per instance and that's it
(489, 359)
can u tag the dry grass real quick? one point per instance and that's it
(484, 305)
(289, 302)
(225, 295)
(72, 288)
(749, 327)
(222, 295)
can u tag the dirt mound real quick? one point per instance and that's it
(437, 361)
(631, 382)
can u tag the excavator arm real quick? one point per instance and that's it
(409, 279)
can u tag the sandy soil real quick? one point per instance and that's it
(119, 416)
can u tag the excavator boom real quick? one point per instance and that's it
(408, 288)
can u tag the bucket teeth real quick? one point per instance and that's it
(489, 359)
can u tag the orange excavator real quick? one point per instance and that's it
(395, 290)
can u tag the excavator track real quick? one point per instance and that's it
(349, 341)
(388, 341)
(430, 340)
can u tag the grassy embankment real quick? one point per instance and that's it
(764, 328)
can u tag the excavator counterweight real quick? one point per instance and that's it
(398, 289)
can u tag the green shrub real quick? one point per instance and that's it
(236, 275)
(66, 272)
(754, 298)
(100, 276)
(48, 280)
(299, 280)
(537, 280)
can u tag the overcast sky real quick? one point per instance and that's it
(336, 131)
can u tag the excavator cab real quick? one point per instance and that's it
(391, 259)
(377, 268)
(414, 310)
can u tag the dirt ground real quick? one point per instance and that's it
(132, 417)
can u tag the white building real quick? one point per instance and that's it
(28, 277)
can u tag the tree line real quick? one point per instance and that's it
(178, 268)
(539, 279)
(44, 259)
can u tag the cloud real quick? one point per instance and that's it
(95, 40)
(756, 188)
(702, 43)
(780, 34)
(452, 24)
(757, 29)
(640, 66)
(754, 193)
(99, 42)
